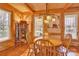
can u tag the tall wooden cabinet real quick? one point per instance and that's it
(52, 26)
(21, 32)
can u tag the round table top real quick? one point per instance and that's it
(56, 42)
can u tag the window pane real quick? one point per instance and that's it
(4, 25)
(71, 25)
(38, 21)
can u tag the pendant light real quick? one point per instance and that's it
(46, 21)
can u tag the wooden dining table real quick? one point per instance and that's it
(55, 42)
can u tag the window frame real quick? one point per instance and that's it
(36, 16)
(76, 24)
(10, 26)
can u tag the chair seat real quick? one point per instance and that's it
(62, 49)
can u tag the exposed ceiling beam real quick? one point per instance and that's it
(20, 11)
(15, 8)
(29, 7)
(67, 5)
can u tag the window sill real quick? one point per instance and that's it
(4, 39)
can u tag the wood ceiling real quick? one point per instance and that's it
(35, 7)
(42, 6)
(20, 6)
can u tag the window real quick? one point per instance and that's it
(71, 25)
(4, 25)
(38, 21)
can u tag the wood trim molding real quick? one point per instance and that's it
(32, 28)
(62, 26)
(54, 33)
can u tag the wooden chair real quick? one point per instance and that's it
(30, 49)
(64, 46)
(67, 40)
(43, 47)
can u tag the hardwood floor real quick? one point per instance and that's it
(22, 50)
(14, 51)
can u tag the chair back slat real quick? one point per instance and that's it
(63, 49)
(43, 48)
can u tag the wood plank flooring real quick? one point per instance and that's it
(14, 51)
(21, 50)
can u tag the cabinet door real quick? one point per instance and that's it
(52, 24)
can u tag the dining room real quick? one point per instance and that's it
(39, 29)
